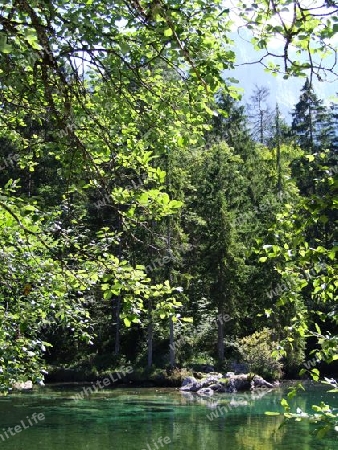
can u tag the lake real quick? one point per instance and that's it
(153, 419)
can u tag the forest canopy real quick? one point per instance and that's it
(135, 201)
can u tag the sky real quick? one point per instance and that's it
(284, 92)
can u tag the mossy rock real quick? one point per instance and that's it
(224, 380)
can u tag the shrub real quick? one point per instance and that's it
(256, 351)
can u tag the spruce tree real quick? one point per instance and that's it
(309, 120)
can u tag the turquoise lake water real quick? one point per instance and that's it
(155, 419)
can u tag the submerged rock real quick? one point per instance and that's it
(23, 385)
(240, 402)
(205, 391)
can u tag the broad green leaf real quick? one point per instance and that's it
(168, 32)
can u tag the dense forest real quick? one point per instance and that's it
(147, 216)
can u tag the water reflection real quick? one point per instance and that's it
(135, 420)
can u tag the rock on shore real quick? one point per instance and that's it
(216, 382)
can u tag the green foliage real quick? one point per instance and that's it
(37, 289)
(309, 117)
(304, 33)
(122, 144)
(306, 253)
(323, 415)
(144, 90)
(257, 350)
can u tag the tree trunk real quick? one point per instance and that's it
(278, 156)
(172, 356)
(220, 335)
(311, 129)
(313, 182)
(117, 306)
(172, 343)
(261, 131)
(150, 333)
(117, 326)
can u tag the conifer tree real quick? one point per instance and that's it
(309, 120)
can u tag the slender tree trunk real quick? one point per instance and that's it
(150, 330)
(172, 343)
(117, 306)
(261, 114)
(172, 356)
(220, 334)
(278, 156)
(311, 128)
(117, 326)
(220, 313)
(313, 183)
(150, 333)
(171, 323)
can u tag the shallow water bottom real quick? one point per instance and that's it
(150, 419)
